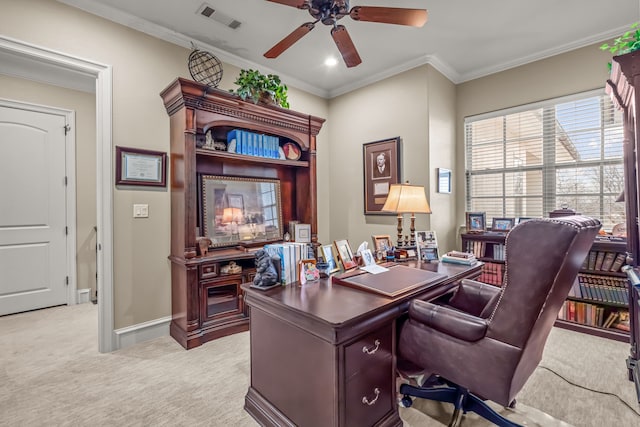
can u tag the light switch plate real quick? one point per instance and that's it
(140, 211)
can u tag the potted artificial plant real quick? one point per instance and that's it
(626, 43)
(258, 87)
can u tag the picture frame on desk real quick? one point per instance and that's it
(429, 254)
(502, 224)
(302, 233)
(329, 258)
(381, 165)
(345, 254)
(521, 219)
(381, 242)
(476, 222)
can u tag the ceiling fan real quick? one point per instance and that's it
(329, 12)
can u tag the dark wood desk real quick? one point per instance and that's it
(324, 354)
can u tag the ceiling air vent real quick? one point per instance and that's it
(209, 12)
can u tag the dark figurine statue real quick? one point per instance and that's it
(266, 273)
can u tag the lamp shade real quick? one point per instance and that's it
(230, 215)
(405, 198)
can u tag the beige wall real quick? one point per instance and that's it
(442, 154)
(142, 67)
(421, 106)
(394, 107)
(572, 72)
(84, 105)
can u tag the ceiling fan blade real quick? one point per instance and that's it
(345, 46)
(293, 3)
(390, 15)
(286, 42)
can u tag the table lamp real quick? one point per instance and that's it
(232, 216)
(405, 198)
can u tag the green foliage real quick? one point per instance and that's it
(628, 42)
(254, 85)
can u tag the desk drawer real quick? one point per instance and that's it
(369, 394)
(371, 350)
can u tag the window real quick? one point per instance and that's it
(528, 161)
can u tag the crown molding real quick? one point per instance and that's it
(587, 41)
(95, 8)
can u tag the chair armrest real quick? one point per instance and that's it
(473, 297)
(447, 320)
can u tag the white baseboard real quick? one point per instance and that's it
(131, 335)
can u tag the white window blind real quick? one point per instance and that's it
(530, 160)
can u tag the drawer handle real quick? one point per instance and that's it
(366, 350)
(366, 401)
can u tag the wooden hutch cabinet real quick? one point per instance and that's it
(206, 299)
(622, 87)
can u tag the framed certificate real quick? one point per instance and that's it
(135, 166)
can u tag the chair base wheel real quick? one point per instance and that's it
(406, 402)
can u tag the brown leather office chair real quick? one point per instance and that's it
(485, 341)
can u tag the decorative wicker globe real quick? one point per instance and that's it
(205, 68)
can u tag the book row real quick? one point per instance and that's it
(479, 249)
(600, 293)
(591, 279)
(253, 144)
(594, 315)
(290, 254)
(492, 273)
(604, 261)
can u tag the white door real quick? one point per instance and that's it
(33, 260)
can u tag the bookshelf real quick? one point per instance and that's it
(598, 303)
(487, 247)
(599, 293)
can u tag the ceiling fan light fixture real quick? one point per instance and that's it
(331, 62)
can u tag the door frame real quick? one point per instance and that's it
(103, 74)
(70, 188)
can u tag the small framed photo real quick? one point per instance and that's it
(135, 166)
(426, 239)
(367, 257)
(345, 254)
(476, 222)
(381, 242)
(522, 219)
(308, 271)
(302, 233)
(428, 254)
(327, 255)
(502, 224)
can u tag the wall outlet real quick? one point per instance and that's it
(141, 211)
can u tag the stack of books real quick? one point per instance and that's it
(456, 257)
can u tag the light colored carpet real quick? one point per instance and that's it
(52, 375)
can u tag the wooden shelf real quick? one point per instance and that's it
(234, 157)
(594, 302)
(614, 334)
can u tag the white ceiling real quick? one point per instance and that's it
(463, 39)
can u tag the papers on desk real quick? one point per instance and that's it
(374, 269)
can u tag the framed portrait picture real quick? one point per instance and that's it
(135, 166)
(476, 222)
(381, 166)
(502, 224)
(345, 255)
(327, 255)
